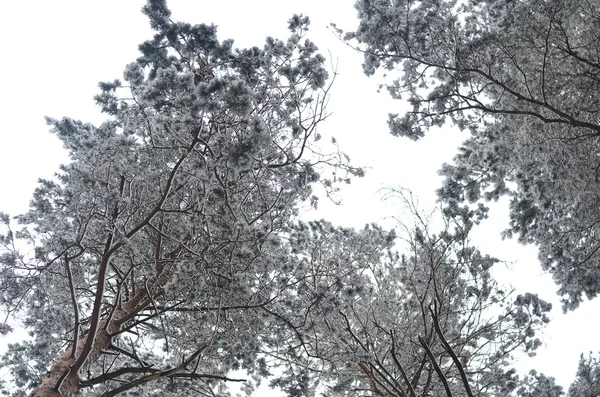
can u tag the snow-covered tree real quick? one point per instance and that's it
(432, 322)
(156, 258)
(167, 254)
(523, 78)
(587, 380)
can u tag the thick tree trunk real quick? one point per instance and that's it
(59, 381)
(60, 374)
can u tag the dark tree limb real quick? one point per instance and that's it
(450, 351)
(436, 366)
(157, 375)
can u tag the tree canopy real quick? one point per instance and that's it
(522, 77)
(430, 322)
(160, 246)
(169, 254)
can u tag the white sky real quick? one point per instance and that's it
(55, 53)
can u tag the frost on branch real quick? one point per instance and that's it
(157, 251)
(522, 78)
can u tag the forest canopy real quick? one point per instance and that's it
(169, 255)
(522, 78)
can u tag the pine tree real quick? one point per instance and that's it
(158, 251)
(522, 77)
(430, 322)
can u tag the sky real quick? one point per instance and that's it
(56, 52)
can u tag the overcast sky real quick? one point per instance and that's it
(55, 52)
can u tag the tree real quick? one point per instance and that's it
(158, 253)
(432, 322)
(522, 77)
(587, 380)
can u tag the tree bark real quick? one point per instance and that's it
(60, 380)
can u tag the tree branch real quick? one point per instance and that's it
(157, 375)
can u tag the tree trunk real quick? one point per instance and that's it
(59, 381)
